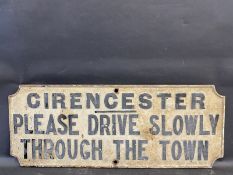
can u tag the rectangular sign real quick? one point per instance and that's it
(126, 126)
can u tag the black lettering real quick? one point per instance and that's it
(164, 131)
(72, 124)
(202, 131)
(84, 154)
(51, 126)
(190, 123)
(145, 102)
(203, 150)
(94, 100)
(130, 149)
(198, 98)
(48, 149)
(141, 149)
(107, 103)
(26, 129)
(46, 100)
(164, 97)
(155, 128)
(97, 148)
(25, 146)
(118, 148)
(178, 130)
(176, 150)
(104, 124)
(164, 148)
(18, 122)
(64, 128)
(74, 99)
(36, 147)
(180, 101)
(122, 123)
(37, 123)
(36, 103)
(75, 149)
(127, 101)
(60, 149)
(92, 130)
(132, 124)
(58, 98)
(189, 149)
(214, 122)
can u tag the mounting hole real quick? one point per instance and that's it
(115, 162)
(116, 90)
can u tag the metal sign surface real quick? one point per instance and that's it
(127, 126)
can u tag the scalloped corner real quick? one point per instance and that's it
(16, 158)
(214, 160)
(216, 92)
(14, 94)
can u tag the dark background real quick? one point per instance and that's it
(115, 42)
